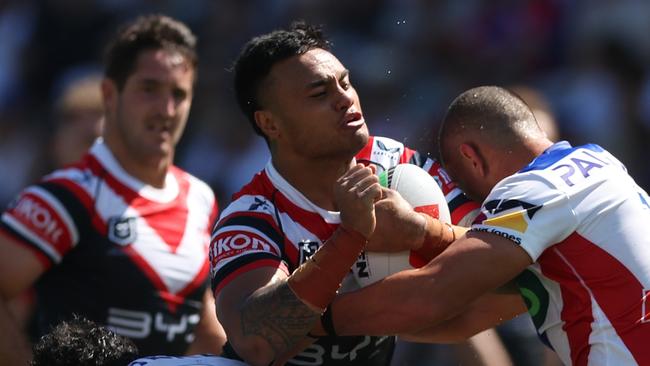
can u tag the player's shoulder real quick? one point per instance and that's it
(386, 153)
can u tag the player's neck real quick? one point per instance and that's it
(313, 178)
(149, 170)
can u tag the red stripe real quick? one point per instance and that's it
(276, 263)
(616, 290)
(290, 250)
(446, 184)
(197, 282)
(86, 200)
(461, 211)
(406, 155)
(44, 221)
(365, 153)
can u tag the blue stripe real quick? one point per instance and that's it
(555, 153)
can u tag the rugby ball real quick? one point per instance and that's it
(423, 193)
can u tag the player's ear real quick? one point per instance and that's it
(267, 123)
(474, 158)
(109, 93)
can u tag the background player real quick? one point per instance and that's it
(121, 237)
(563, 221)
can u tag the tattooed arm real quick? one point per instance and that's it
(263, 318)
(267, 313)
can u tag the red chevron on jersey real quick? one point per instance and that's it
(144, 249)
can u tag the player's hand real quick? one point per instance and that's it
(398, 227)
(355, 193)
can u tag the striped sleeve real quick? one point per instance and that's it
(243, 241)
(43, 218)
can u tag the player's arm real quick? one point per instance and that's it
(19, 269)
(413, 300)
(267, 312)
(487, 311)
(209, 334)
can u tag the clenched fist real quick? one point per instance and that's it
(356, 193)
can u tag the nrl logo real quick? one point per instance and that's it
(307, 248)
(122, 230)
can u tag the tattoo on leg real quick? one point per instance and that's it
(276, 314)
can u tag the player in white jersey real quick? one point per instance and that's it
(563, 222)
(122, 236)
(289, 238)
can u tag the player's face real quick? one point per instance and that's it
(316, 109)
(468, 178)
(150, 112)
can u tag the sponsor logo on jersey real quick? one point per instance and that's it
(509, 236)
(259, 204)
(39, 217)
(517, 221)
(122, 230)
(232, 243)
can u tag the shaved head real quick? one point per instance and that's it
(491, 115)
(487, 134)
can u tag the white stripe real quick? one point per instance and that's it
(43, 245)
(54, 203)
(427, 164)
(453, 194)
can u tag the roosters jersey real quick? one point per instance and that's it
(117, 251)
(580, 217)
(270, 223)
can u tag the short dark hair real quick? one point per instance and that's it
(259, 55)
(149, 32)
(82, 342)
(501, 116)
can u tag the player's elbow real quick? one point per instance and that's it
(253, 350)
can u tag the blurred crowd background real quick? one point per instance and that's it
(584, 65)
(585, 62)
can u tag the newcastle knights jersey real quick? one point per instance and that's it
(117, 251)
(581, 218)
(270, 223)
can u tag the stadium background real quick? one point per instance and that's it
(590, 60)
(408, 59)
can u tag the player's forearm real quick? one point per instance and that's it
(14, 348)
(276, 315)
(283, 312)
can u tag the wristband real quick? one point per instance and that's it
(437, 237)
(316, 281)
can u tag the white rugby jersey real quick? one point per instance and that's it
(580, 217)
(122, 253)
(195, 360)
(270, 223)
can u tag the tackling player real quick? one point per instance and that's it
(563, 222)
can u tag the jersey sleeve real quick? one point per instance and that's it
(246, 237)
(42, 217)
(463, 210)
(529, 211)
